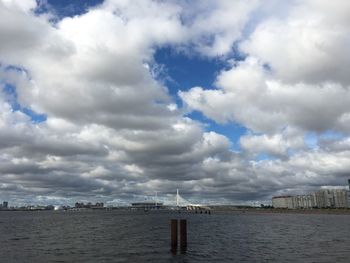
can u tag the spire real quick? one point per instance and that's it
(177, 197)
(156, 199)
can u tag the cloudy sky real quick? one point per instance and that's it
(229, 101)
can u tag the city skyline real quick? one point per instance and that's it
(298, 201)
(229, 101)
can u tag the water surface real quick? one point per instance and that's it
(130, 236)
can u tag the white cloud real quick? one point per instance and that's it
(249, 94)
(275, 145)
(295, 68)
(309, 45)
(216, 25)
(25, 6)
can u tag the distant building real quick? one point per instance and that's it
(98, 205)
(5, 205)
(324, 198)
(340, 198)
(332, 198)
(147, 205)
(349, 193)
(89, 205)
(79, 205)
(283, 202)
(304, 201)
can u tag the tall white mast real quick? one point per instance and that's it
(177, 197)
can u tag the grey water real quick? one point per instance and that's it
(130, 236)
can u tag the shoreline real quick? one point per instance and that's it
(325, 211)
(219, 210)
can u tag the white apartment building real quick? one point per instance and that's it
(340, 198)
(349, 194)
(336, 198)
(324, 198)
(282, 202)
(304, 201)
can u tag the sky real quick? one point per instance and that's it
(229, 101)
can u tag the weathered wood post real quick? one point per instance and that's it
(183, 233)
(173, 234)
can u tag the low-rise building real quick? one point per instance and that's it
(147, 205)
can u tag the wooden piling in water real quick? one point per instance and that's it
(183, 233)
(173, 227)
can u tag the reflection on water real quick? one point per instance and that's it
(127, 236)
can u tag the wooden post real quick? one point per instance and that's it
(183, 233)
(173, 233)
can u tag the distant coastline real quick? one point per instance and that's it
(333, 211)
(214, 209)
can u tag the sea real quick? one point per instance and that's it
(139, 236)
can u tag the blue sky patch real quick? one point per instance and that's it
(12, 98)
(182, 71)
(66, 8)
